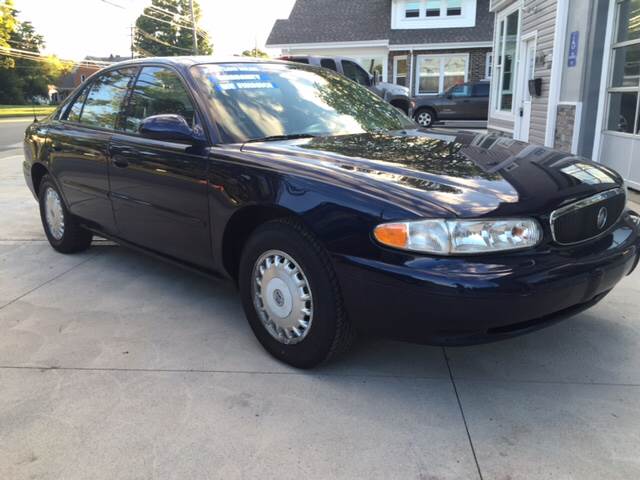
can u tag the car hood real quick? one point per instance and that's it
(462, 174)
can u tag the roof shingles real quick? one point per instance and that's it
(335, 21)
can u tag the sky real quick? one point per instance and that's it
(74, 29)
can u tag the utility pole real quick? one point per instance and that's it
(132, 34)
(195, 29)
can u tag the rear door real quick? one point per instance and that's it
(480, 101)
(79, 146)
(159, 188)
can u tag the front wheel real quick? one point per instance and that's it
(291, 296)
(425, 117)
(61, 228)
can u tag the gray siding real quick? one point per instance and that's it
(540, 17)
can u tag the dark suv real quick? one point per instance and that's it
(467, 101)
(396, 95)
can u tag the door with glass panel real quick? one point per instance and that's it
(438, 73)
(621, 130)
(506, 61)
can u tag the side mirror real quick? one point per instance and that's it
(167, 127)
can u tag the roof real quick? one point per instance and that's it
(335, 21)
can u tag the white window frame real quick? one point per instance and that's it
(441, 56)
(466, 19)
(488, 66)
(614, 44)
(395, 69)
(498, 53)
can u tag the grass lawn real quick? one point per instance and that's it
(24, 110)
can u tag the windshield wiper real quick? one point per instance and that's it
(275, 138)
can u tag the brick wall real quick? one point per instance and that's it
(565, 122)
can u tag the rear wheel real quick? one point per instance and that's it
(61, 228)
(291, 296)
(425, 117)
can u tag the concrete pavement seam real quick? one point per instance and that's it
(346, 375)
(241, 372)
(50, 280)
(464, 418)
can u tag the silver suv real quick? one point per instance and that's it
(396, 95)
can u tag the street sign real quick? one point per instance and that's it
(573, 49)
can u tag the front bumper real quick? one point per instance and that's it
(465, 300)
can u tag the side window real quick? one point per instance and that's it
(461, 91)
(355, 72)
(75, 110)
(105, 97)
(481, 90)
(329, 63)
(157, 91)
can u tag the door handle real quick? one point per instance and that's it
(119, 162)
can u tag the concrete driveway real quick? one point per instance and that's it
(113, 365)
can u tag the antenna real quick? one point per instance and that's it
(33, 106)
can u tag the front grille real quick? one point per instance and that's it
(583, 220)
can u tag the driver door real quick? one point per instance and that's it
(460, 104)
(159, 188)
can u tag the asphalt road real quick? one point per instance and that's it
(113, 365)
(12, 132)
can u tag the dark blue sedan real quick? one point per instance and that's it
(332, 211)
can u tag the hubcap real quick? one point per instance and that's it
(282, 297)
(54, 214)
(424, 119)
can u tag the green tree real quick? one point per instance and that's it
(166, 30)
(255, 52)
(21, 79)
(7, 27)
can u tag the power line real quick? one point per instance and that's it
(202, 33)
(154, 39)
(113, 4)
(38, 57)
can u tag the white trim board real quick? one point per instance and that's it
(555, 80)
(439, 46)
(494, 93)
(607, 58)
(321, 45)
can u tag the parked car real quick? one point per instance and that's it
(396, 95)
(327, 207)
(466, 101)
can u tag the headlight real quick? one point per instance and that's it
(459, 237)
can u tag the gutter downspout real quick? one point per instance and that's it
(411, 74)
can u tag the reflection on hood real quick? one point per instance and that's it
(421, 152)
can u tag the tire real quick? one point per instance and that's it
(291, 248)
(425, 117)
(71, 237)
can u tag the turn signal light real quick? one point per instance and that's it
(392, 234)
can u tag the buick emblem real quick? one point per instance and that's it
(602, 218)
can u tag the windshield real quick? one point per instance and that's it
(257, 100)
